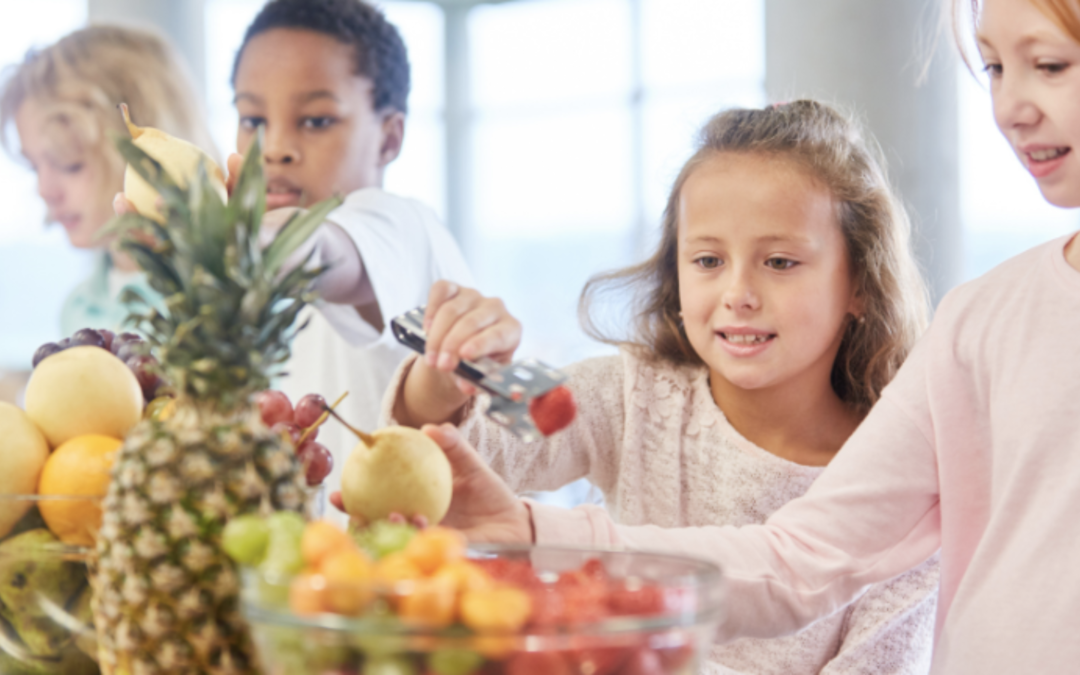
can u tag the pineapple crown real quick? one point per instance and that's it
(228, 312)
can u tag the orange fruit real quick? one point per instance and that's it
(348, 576)
(321, 539)
(434, 547)
(80, 467)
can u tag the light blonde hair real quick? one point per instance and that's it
(875, 226)
(81, 79)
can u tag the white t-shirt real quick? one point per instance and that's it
(405, 249)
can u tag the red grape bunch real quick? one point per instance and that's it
(128, 347)
(300, 425)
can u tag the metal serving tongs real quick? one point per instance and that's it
(511, 387)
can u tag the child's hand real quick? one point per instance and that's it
(462, 324)
(121, 204)
(232, 169)
(483, 507)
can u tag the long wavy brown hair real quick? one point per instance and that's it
(876, 230)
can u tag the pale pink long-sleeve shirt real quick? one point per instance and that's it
(974, 448)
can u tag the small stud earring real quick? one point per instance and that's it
(861, 320)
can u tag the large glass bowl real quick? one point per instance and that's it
(45, 622)
(672, 642)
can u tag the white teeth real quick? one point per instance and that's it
(1043, 155)
(746, 339)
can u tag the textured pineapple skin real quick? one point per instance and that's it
(167, 598)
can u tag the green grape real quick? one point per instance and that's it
(455, 662)
(283, 555)
(245, 539)
(286, 523)
(384, 537)
(389, 665)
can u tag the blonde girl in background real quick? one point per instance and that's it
(63, 103)
(782, 299)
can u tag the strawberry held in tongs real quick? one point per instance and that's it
(527, 397)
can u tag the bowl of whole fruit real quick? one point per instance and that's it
(45, 617)
(394, 600)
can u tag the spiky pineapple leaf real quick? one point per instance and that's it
(229, 312)
(152, 172)
(295, 232)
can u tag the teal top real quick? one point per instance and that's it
(95, 303)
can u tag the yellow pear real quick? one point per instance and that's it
(83, 390)
(23, 452)
(401, 471)
(177, 157)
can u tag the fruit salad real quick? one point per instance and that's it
(394, 600)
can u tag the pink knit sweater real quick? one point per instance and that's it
(652, 439)
(973, 449)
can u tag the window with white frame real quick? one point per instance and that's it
(584, 111)
(38, 267)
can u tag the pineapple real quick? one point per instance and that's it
(166, 595)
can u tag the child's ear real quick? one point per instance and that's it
(393, 135)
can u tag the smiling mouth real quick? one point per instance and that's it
(1047, 154)
(754, 339)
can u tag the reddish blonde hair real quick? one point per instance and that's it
(1064, 13)
(828, 145)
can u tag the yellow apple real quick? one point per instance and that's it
(177, 157)
(403, 471)
(23, 451)
(83, 390)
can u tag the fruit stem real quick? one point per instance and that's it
(319, 422)
(135, 131)
(367, 439)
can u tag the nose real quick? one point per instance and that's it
(1014, 106)
(49, 188)
(280, 146)
(740, 293)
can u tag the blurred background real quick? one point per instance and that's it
(546, 133)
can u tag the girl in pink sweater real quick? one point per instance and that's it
(973, 449)
(782, 299)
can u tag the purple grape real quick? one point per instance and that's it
(317, 460)
(87, 337)
(130, 349)
(107, 336)
(145, 369)
(44, 351)
(288, 428)
(309, 409)
(64, 344)
(121, 340)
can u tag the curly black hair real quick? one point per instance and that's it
(380, 52)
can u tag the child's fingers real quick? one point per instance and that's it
(498, 341)
(336, 501)
(479, 319)
(442, 322)
(232, 165)
(441, 291)
(121, 204)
